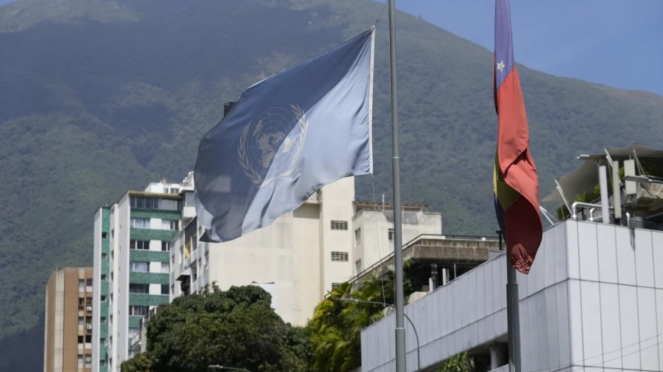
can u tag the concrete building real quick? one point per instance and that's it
(68, 320)
(590, 303)
(436, 259)
(373, 226)
(131, 265)
(301, 256)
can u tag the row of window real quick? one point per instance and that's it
(339, 225)
(83, 283)
(145, 288)
(339, 256)
(145, 245)
(145, 203)
(144, 223)
(87, 358)
(144, 267)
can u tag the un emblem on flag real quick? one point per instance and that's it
(270, 145)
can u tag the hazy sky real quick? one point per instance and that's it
(613, 42)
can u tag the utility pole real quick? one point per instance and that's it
(398, 239)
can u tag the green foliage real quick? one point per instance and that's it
(233, 328)
(458, 363)
(99, 97)
(335, 329)
(139, 363)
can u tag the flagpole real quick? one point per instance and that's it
(513, 316)
(398, 241)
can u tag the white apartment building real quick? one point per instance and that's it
(373, 226)
(299, 257)
(131, 265)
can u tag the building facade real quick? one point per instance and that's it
(298, 258)
(373, 226)
(590, 302)
(131, 265)
(68, 320)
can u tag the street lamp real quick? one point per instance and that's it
(216, 366)
(416, 335)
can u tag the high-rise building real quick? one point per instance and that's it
(68, 320)
(131, 264)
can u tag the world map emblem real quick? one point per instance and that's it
(268, 147)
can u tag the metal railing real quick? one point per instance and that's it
(413, 242)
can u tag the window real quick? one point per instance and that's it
(104, 235)
(80, 361)
(81, 285)
(139, 288)
(391, 235)
(81, 304)
(88, 339)
(339, 256)
(88, 301)
(102, 319)
(165, 268)
(335, 285)
(104, 256)
(102, 363)
(88, 361)
(80, 320)
(339, 225)
(169, 225)
(358, 266)
(103, 276)
(140, 267)
(164, 289)
(165, 246)
(137, 310)
(88, 320)
(88, 284)
(140, 223)
(139, 244)
(81, 339)
(103, 298)
(357, 236)
(133, 332)
(174, 190)
(145, 203)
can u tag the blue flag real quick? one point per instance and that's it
(286, 137)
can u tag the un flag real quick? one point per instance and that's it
(286, 137)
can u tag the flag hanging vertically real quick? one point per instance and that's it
(285, 138)
(515, 180)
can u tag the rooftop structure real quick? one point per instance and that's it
(590, 301)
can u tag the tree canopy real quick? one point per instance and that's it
(235, 328)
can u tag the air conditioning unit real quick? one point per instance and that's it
(89, 308)
(89, 326)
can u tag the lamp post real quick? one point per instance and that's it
(216, 366)
(416, 335)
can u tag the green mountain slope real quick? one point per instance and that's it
(100, 96)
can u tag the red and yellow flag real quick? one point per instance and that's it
(515, 181)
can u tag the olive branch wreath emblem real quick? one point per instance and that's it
(244, 162)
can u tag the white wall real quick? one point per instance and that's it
(96, 283)
(591, 301)
(375, 226)
(336, 204)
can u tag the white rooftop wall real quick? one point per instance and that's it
(591, 302)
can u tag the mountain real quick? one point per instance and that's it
(101, 96)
